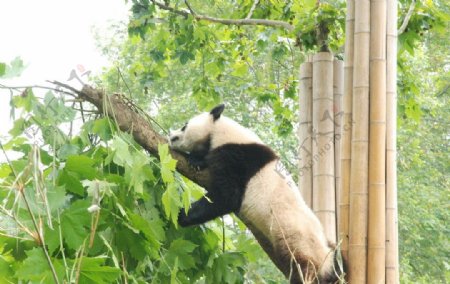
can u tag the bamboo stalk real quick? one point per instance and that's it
(360, 135)
(392, 267)
(323, 143)
(338, 91)
(305, 133)
(377, 145)
(344, 204)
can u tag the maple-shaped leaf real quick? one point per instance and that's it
(180, 250)
(36, 268)
(171, 201)
(81, 165)
(168, 164)
(74, 222)
(93, 270)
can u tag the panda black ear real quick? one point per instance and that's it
(217, 111)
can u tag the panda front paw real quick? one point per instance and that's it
(182, 218)
(197, 163)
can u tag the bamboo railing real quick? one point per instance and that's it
(305, 133)
(377, 145)
(392, 267)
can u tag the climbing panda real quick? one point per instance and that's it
(245, 179)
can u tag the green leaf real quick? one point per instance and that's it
(2, 69)
(52, 238)
(152, 230)
(67, 150)
(5, 170)
(14, 69)
(102, 127)
(181, 250)
(56, 196)
(26, 100)
(228, 268)
(133, 243)
(168, 164)
(240, 69)
(213, 69)
(93, 270)
(139, 171)
(36, 268)
(71, 182)
(74, 222)
(121, 151)
(19, 127)
(6, 265)
(81, 165)
(171, 202)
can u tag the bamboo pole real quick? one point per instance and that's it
(392, 267)
(305, 133)
(338, 91)
(377, 145)
(360, 135)
(323, 143)
(344, 204)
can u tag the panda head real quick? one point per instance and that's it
(195, 135)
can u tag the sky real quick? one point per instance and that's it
(53, 37)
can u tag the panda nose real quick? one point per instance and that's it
(173, 139)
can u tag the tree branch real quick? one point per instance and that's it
(239, 22)
(252, 9)
(407, 17)
(129, 120)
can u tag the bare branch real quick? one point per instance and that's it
(189, 7)
(407, 18)
(239, 22)
(252, 9)
(129, 120)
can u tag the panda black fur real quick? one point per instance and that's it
(245, 179)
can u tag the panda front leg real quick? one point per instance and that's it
(197, 162)
(200, 212)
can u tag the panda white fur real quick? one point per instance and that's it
(245, 179)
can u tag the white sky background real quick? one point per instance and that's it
(52, 37)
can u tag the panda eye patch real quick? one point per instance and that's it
(184, 127)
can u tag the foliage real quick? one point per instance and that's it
(97, 209)
(423, 143)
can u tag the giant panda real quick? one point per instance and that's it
(245, 178)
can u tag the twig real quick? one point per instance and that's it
(18, 88)
(407, 18)
(39, 235)
(252, 9)
(123, 79)
(239, 22)
(40, 238)
(189, 7)
(81, 253)
(57, 83)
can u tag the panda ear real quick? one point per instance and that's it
(217, 111)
